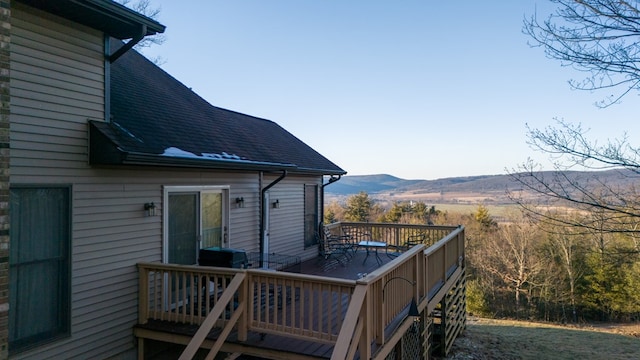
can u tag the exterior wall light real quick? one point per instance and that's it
(276, 204)
(240, 202)
(150, 208)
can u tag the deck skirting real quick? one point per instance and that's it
(449, 318)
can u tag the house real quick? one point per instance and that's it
(115, 175)
(108, 162)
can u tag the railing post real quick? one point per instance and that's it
(419, 273)
(143, 299)
(365, 340)
(378, 311)
(243, 321)
(445, 248)
(461, 246)
(427, 275)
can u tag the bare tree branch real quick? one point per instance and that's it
(599, 37)
(145, 8)
(617, 206)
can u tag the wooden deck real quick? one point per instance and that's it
(354, 269)
(329, 310)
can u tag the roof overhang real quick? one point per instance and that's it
(108, 16)
(103, 150)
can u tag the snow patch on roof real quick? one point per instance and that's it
(224, 155)
(177, 152)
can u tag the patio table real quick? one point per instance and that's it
(372, 245)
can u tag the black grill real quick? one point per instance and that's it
(222, 257)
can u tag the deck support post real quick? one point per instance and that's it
(140, 348)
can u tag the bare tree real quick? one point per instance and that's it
(512, 256)
(600, 37)
(566, 248)
(618, 207)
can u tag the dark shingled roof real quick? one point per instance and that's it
(151, 112)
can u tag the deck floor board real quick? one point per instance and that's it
(353, 269)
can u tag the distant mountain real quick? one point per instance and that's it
(383, 183)
(461, 189)
(350, 185)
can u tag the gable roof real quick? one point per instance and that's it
(156, 120)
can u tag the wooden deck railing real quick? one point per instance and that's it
(353, 315)
(300, 306)
(394, 235)
(422, 274)
(181, 293)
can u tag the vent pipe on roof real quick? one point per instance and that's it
(264, 208)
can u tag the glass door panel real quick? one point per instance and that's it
(183, 228)
(213, 230)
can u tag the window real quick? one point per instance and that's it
(310, 215)
(39, 266)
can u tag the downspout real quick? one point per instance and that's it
(107, 78)
(332, 179)
(263, 210)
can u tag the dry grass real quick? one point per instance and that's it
(506, 339)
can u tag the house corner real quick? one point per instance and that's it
(5, 27)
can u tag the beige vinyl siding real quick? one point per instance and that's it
(111, 233)
(287, 222)
(244, 223)
(57, 84)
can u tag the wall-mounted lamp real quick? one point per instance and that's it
(413, 307)
(150, 208)
(276, 204)
(240, 202)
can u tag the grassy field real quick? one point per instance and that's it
(495, 210)
(506, 339)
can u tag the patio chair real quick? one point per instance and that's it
(347, 241)
(413, 240)
(334, 246)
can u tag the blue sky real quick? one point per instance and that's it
(415, 89)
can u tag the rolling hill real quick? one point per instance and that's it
(471, 189)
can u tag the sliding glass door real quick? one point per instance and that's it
(196, 217)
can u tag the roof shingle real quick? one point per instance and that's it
(151, 112)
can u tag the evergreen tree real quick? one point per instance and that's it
(358, 207)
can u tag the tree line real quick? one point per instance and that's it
(526, 268)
